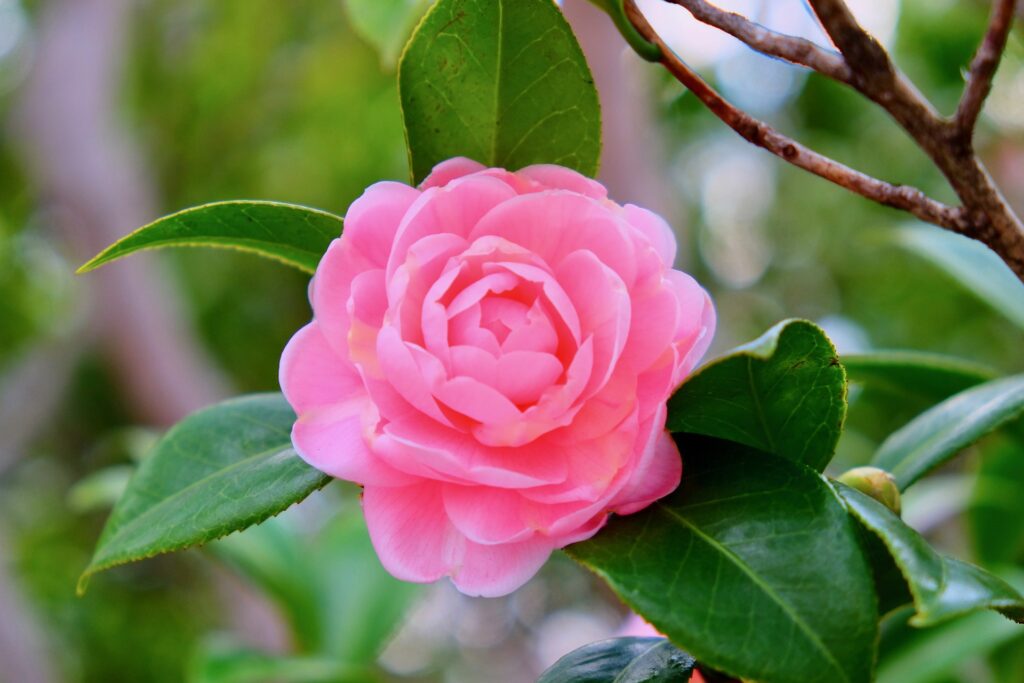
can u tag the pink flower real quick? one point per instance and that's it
(490, 357)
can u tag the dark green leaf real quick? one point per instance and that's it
(996, 514)
(738, 566)
(386, 24)
(971, 263)
(295, 235)
(783, 393)
(622, 660)
(499, 81)
(930, 375)
(938, 434)
(219, 470)
(942, 587)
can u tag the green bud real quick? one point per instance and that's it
(876, 483)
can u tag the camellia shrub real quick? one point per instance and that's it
(506, 361)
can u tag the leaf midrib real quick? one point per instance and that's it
(180, 492)
(767, 589)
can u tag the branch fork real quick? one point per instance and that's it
(863, 64)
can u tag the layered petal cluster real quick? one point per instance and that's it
(490, 357)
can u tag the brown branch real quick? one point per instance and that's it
(983, 68)
(984, 215)
(909, 199)
(786, 47)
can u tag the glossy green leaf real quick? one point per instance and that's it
(996, 514)
(623, 660)
(940, 433)
(295, 235)
(737, 565)
(219, 470)
(783, 393)
(942, 587)
(386, 24)
(499, 81)
(972, 264)
(931, 375)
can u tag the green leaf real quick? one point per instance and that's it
(220, 662)
(386, 24)
(783, 393)
(330, 586)
(737, 566)
(931, 375)
(996, 514)
(938, 434)
(972, 264)
(295, 235)
(622, 660)
(219, 470)
(942, 587)
(617, 11)
(503, 82)
(936, 654)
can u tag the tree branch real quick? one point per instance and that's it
(983, 68)
(903, 197)
(786, 47)
(985, 215)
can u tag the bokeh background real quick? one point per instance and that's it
(114, 112)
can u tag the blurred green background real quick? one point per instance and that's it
(115, 112)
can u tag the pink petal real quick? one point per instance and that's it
(536, 333)
(654, 228)
(415, 438)
(696, 320)
(602, 302)
(554, 177)
(472, 361)
(491, 571)
(313, 375)
(332, 440)
(486, 515)
(653, 327)
(464, 329)
(404, 373)
(415, 541)
(449, 170)
(455, 208)
(478, 401)
(373, 219)
(555, 223)
(410, 531)
(330, 290)
(366, 307)
(522, 376)
(656, 472)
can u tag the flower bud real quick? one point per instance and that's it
(876, 483)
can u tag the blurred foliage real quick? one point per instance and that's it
(265, 99)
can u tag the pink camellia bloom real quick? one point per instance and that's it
(489, 357)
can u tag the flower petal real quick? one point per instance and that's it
(332, 439)
(313, 375)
